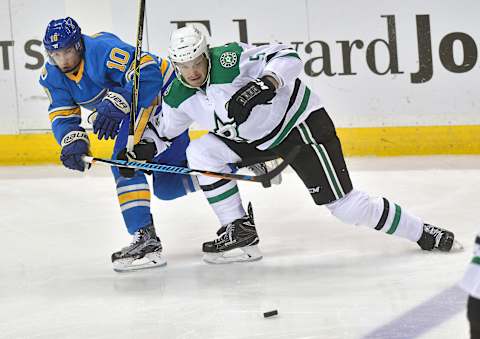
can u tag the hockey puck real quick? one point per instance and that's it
(270, 314)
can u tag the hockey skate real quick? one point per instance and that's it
(145, 251)
(237, 242)
(436, 238)
(265, 167)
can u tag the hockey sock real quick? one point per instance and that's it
(381, 214)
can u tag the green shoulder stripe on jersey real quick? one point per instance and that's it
(476, 260)
(177, 93)
(225, 63)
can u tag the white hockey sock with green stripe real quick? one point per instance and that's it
(210, 153)
(359, 208)
(224, 198)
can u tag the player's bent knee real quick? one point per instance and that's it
(170, 192)
(169, 195)
(170, 186)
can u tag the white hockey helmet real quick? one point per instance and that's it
(186, 44)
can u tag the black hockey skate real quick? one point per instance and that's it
(240, 234)
(436, 237)
(265, 167)
(145, 251)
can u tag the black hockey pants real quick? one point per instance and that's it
(320, 163)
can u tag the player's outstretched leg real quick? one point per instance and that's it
(240, 234)
(385, 216)
(435, 237)
(145, 251)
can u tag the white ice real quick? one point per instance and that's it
(326, 279)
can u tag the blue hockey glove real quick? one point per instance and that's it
(109, 114)
(143, 151)
(256, 92)
(74, 145)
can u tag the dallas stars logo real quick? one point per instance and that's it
(227, 129)
(228, 59)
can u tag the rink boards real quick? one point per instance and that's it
(397, 78)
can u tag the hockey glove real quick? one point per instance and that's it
(74, 145)
(110, 112)
(143, 151)
(257, 92)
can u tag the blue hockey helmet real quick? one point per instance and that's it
(62, 33)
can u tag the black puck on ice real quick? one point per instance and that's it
(270, 314)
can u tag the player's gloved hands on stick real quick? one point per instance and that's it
(109, 114)
(257, 92)
(143, 151)
(75, 144)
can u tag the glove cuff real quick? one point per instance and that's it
(118, 101)
(74, 136)
(274, 76)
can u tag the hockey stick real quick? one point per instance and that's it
(136, 76)
(148, 166)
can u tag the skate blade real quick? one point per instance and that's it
(150, 260)
(247, 253)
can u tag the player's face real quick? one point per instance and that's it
(194, 72)
(67, 59)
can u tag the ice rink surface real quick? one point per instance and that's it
(326, 279)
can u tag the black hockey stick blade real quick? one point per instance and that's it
(267, 177)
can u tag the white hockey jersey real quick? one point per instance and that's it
(232, 66)
(471, 278)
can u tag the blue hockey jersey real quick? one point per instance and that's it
(107, 64)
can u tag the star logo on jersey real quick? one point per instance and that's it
(228, 59)
(227, 129)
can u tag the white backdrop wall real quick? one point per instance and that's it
(375, 63)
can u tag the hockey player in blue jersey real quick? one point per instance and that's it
(95, 72)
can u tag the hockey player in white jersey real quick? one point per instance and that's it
(471, 284)
(255, 107)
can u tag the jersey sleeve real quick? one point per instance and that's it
(63, 112)
(173, 119)
(172, 122)
(277, 60)
(115, 63)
